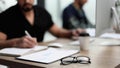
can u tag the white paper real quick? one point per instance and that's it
(110, 35)
(20, 51)
(49, 55)
(14, 51)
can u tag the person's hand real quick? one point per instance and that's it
(76, 32)
(25, 42)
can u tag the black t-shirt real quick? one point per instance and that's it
(13, 23)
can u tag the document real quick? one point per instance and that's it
(48, 56)
(24, 51)
(111, 39)
(20, 51)
(110, 35)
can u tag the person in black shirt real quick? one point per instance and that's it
(24, 16)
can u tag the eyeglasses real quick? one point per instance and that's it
(78, 59)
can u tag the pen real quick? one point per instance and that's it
(26, 32)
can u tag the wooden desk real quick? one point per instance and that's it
(101, 57)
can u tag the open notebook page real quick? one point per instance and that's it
(20, 51)
(49, 55)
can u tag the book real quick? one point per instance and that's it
(21, 51)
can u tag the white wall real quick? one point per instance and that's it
(90, 9)
(65, 3)
(53, 7)
(10, 3)
(6, 4)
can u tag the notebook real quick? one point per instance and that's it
(20, 51)
(24, 51)
(49, 55)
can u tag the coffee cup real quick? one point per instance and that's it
(84, 40)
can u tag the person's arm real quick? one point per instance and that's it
(60, 32)
(24, 42)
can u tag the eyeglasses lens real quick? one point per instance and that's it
(83, 60)
(68, 60)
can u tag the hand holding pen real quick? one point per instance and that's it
(26, 41)
(30, 40)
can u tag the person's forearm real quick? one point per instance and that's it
(7, 43)
(60, 32)
(65, 33)
(24, 42)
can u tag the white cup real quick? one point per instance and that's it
(84, 43)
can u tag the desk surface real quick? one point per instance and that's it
(101, 57)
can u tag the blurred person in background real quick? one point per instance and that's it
(74, 16)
